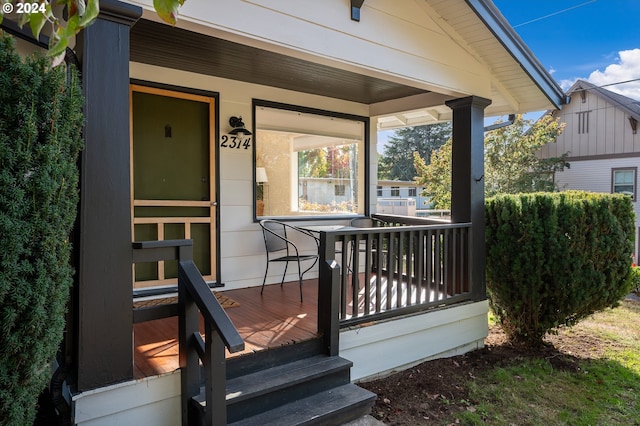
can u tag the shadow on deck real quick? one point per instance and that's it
(273, 319)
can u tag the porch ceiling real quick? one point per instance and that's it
(157, 44)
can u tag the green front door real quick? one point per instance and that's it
(172, 177)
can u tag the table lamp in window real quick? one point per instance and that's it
(261, 180)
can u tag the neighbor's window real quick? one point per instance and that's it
(314, 162)
(395, 191)
(379, 191)
(413, 192)
(624, 181)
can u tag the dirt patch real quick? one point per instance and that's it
(432, 392)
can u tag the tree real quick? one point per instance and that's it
(66, 18)
(397, 161)
(435, 177)
(511, 163)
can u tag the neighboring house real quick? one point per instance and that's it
(403, 189)
(602, 141)
(179, 120)
(400, 197)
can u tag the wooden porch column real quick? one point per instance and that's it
(103, 310)
(467, 180)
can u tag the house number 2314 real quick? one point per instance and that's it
(234, 142)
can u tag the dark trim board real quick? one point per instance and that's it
(467, 183)
(103, 289)
(327, 113)
(216, 149)
(24, 34)
(174, 88)
(183, 49)
(605, 156)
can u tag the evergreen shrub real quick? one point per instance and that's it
(40, 138)
(554, 258)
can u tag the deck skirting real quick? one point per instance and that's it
(393, 345)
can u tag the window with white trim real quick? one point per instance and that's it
(623, 181)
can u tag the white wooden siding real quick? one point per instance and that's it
(323, 31)
(242, 247)
(149, 401)
(383, 348)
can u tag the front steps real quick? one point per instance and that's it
(292, 385)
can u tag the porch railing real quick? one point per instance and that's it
(409, 265)
(194, 299)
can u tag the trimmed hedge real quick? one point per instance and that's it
(554, 258)
(40, 138)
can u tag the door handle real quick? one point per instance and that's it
(214, 203)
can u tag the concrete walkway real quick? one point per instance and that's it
(365, 421)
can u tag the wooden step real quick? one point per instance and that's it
(331, 407)
(250, 363)
(322, 381)
(288, 375)
(263, 390)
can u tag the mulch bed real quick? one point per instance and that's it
(430, 393)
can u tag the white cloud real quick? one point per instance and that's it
(566, 84)
(627, 67)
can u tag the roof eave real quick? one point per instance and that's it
(506, 35)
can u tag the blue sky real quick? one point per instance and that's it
(594, 40)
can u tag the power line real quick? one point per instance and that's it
(620, 82)
(634, 101)
(555, 13)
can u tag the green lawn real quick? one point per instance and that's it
(601, 389)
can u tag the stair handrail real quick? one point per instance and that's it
(195, 298)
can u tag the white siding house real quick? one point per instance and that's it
(162, 162)
(601, 141)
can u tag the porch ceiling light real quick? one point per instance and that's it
(238, 127)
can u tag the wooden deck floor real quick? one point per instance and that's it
(273, 319)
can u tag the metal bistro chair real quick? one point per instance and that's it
(280, 248)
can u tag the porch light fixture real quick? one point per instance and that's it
(238, 127)
(355, 9)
